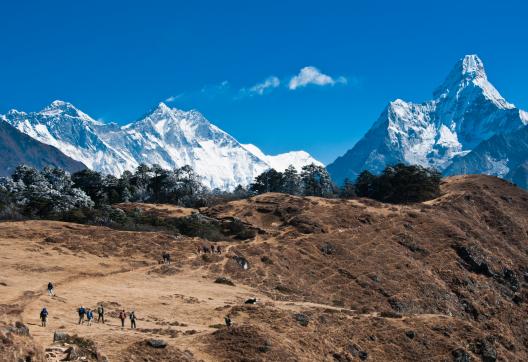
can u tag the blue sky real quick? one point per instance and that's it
(116, 59)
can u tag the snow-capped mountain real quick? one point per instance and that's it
(166, 136)
(73, 132)
(465, 111)
(173, 138)
(504, 155)
(280, 162)
(18, 148)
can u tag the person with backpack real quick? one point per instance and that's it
(43, 316)
(81, 312)
(89, 317)
(100, 313)
(132, 316)
(122, 317)
(50, 289)
(228, 321)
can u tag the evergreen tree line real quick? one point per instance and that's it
(399, 184)
(53, 192)
(313, 180)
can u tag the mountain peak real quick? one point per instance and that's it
(162, 106)
(471, 65)
(469, 68)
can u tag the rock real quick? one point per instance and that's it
(410, 334)
(511, 279)
(265, 347)
(486, 350)
(473, 261)
(224, 280)
(302, 319)
(71, 354)
(396, 305)
(459, 355)
(157, 343)
(363, 355)
(59, 336)
(518, 299)
(338, 357)
(328, 249)
(19, 328)
(244, 264)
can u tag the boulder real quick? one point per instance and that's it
(302, 319)
(157, 343)
(60, 336)
(328, 249)
(242, 262)
(460, 355)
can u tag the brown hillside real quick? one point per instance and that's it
(337, 280)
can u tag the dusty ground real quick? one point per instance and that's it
(336, 280)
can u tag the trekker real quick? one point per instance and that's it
(43, 316)
(132, 317)
(50, 289)
(100, 313)
(81, 312)
(228, 321)
(168, 258)
(213, 251)
(218, 250)
(205, 249)
(122, 316)
(89, 317)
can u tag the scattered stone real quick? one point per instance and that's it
(328, 249)
(511, 279)
(363, 355)
(157, 343)
(474, 261)
(265, 347)
(60, 336)
(242, 262)
(460, 355)
(266, 260)
(224, 280)
(486, 350)
(302, 319)
(410, 334)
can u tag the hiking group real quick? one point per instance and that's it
(209, 249)
(87, 314)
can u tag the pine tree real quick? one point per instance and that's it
(268, 181)
(316, 181)
(347, 191)
(291, 183)
(365, 184)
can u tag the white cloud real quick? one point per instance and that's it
(260, 88)
(312, 75)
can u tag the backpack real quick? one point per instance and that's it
(44, 313)
(81, 310)
(122, 315)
